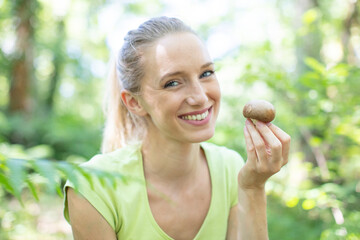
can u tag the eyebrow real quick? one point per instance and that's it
(180, 72)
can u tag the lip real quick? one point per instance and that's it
(196, 112)
(196, 122)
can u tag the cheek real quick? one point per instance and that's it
(215, 91)
(160, 104)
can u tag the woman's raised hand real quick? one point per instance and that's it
(267, 149)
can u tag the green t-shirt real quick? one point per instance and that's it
(126, 207)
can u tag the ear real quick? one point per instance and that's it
(132, 103)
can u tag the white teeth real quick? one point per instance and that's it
(197, 117)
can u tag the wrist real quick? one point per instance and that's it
(252, 212)
(252, 195)
(252, 190)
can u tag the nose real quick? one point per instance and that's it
(197, 94)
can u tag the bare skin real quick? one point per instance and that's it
(86, 222)
(174, 163)
(247, 220)
(181, 213)
(267, 149)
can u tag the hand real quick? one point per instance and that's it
(267, 147)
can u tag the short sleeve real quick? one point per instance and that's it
(97, 194)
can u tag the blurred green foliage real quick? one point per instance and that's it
(309, 69)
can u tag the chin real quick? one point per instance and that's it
(202, 137)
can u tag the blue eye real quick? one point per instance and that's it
(207, 74)
(171, 83)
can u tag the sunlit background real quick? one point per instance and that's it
(303, 56)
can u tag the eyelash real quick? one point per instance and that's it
(170, 83)
(210, 71)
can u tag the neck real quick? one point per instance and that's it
(170, 160)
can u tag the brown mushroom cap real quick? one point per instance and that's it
(260, 110)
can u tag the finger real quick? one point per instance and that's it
(284, 138)
(257, 140)
(250, 148)
(271, 140)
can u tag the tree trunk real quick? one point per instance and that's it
(58, 65)
(310, 44)
(21, 72)
(351, 20)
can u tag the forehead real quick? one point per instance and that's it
(175, 52)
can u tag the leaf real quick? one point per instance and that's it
(2, 157)
(315, 141)
(310, 79)
(32, 189)
(4, 181)
(315, 65)
(101, 177)
(59, 190)
(69, 171)
(350, 130)
(17, 175)
(46, 169)
(111, 179)
(292, 202)
(308, 204)
(85, 174)
(310, 16)
(40, 151)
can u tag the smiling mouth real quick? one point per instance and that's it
(196, 116)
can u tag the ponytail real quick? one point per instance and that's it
(120, 125)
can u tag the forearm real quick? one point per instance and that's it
(252, 214)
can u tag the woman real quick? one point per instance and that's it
(161, 108)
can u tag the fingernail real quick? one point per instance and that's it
(268, 124)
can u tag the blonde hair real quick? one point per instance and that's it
(122, 127)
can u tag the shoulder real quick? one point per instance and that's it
(86, 221)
